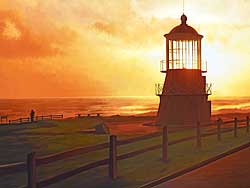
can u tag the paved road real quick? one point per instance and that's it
(230, 172)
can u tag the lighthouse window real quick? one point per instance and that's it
(184, 54)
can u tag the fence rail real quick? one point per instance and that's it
(33, 162)
(4, 120)
(19, 121)
(70, 153)
(12, 168)
(27, 120)
(88, 115)
(178, 65)
(49, 117)
(159, 89)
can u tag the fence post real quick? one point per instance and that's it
(247, 124)
(219, 129)
(31, 170)
(165, 144)
(198, 135)
(235, 127)
(112, 157)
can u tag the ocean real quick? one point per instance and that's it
(69, 107)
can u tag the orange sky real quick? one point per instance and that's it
(62, 48)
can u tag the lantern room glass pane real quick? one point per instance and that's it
(183, 54)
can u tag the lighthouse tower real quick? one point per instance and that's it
(184, 94)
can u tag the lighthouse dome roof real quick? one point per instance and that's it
(183, 31)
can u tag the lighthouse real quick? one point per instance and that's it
(184, 94)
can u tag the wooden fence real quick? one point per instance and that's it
(88, 115)
(28, 120)
(19, 121)
(4, 119)
(49, 117)
(33, 161)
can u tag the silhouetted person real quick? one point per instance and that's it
(32, 115)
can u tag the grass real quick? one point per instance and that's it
(54, 136)
(45, 138)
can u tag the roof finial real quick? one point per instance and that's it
(183, 19)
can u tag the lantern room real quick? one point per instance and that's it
(183, 48)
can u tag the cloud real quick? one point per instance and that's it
(19, 40)
(104, 27)
(10, 31)
(112, 47)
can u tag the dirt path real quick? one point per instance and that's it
(230, 172)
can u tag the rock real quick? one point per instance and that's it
(101, 129)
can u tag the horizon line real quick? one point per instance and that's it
(110, 96)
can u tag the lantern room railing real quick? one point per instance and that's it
(163, 66)
(208, 88)
(159, 89)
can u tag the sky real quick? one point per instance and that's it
(76, 48)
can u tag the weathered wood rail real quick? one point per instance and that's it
(49, 117)
(33, 162)
(5, 121)
(27, 120)
(19, 121)
(87, 115)
(3, 118)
